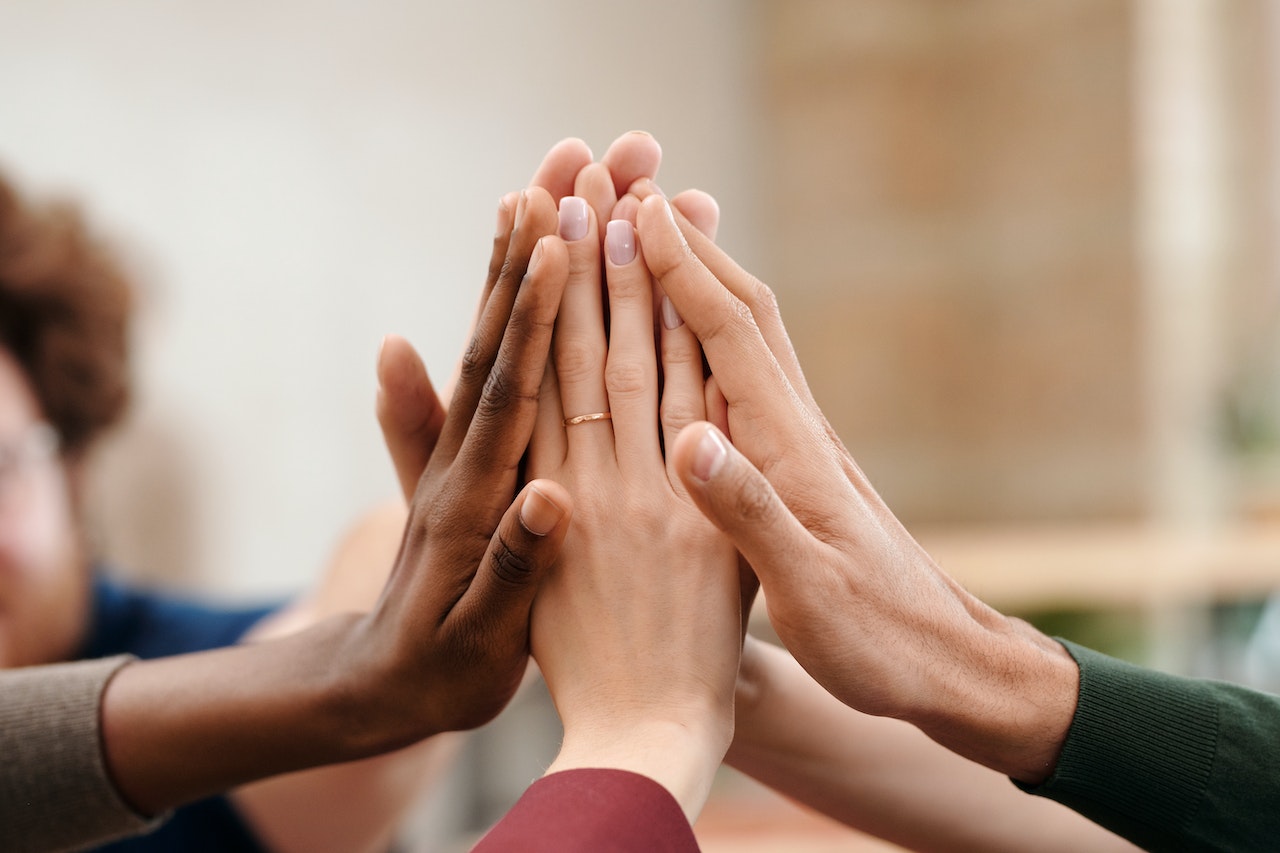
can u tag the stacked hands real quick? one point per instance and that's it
(635, 610)
(622, 564)
(657, 493)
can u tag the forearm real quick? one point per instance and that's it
(883, 776)
(176, 729)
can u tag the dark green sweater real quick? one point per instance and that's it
(1171, 763)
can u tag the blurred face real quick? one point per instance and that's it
(43, 582)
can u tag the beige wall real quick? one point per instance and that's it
(294, 180)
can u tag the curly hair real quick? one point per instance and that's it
(64, 316)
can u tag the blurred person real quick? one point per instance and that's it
(92, 747)
(64, 311)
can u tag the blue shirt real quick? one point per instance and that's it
(124, 620)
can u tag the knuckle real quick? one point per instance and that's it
(753, 500)
(763, 301)
(576, 360)
(627, 378)
(509, 565)
(679, 411)
(502, 393)
(476, 363)
(735, 321)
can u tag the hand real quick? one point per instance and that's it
(409, 411)
(858, 602)
(448, 641)
(453, 620)
(637, 627)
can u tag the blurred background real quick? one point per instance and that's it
(1025, 251)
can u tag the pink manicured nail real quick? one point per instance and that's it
(710, 455)
(538, 514)
(573, 218)
(620, 240)
(670, 316)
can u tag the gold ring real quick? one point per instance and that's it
(594, 416)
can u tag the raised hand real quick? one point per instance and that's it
(858, 602)
(637, 627)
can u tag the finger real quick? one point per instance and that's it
(752, 292)
(497, 257)
(549, 445)
(596, 186)
(409, 412)
(763, 405)
(683, 390)
(717, 406)
(535, 217)
(524, 546)
(627, 208)
(632, 156)
(508, 208)
(738, 499)
(631, 370)
(700, 209)
(503, 423)
(580, 346)
(558, 170)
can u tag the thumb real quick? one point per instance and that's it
(409, 411)
(526, 543)
(737, 498)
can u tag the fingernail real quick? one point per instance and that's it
(573, 218)
(504, 214)
(670, 316)
(520, 205)
(539, 514)
(620, 240)
(534, 258)
(710, 455)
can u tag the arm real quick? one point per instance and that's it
(871, 617)
(1173, 763)
(357, 805)
(447, 642)
(883, 776)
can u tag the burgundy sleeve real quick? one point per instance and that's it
(596, 810)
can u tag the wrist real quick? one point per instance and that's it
(681, 752)
(1006, 702)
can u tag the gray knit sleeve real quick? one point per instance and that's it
(55, 793)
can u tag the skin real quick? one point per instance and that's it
(354, 805)
(857, 601)
(673, 617)
(447, 643)
(875, 774)
(882, 776)
(44, 595)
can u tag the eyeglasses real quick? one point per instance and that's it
(21, 455)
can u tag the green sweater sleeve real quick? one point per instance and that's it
(1170, 763)
(55, 792)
